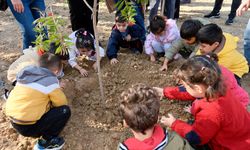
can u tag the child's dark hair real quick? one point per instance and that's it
(190, 28)
(140, 107)
(84, 39)
(50, 61)
(119, 18)
(210, 34)
(157, 24)
(52, 49)
(202, 69)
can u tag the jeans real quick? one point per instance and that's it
(172, 9)
(32, 9)
(81, 15)
(160, 48)
(247, 42)
(234, 6)
(49, 126)
(153, 9)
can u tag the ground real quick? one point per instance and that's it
(95, 123)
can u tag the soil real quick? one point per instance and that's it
(95, 122)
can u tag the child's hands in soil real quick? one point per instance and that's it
(168, 121)
(159, 91)
(95, 66)
(113, 61)
(164, 68)
(63, 83)
(83, 72)
(128, 37)
(152, 58)
(187, 109)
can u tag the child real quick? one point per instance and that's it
(37, 106)
(30, 57)
(84, 44)
(220, 119)
(140, 109)
(180, 92)
(212, 39)
(124, 35)
(187, 43)
(163, 33)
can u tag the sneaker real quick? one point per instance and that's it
(178, 93)
(6, 94)
(229, 21)
(54, 144)
(212, 15)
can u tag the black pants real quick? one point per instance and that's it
(49, 126)
(81, 15)
(172, 9)
(238, 79)
(234, 6)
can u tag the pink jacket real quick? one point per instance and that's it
(171, 34)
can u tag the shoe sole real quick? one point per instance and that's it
(57, 148)
(216, 17)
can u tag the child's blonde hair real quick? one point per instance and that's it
(202, 69)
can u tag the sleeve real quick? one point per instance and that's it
(174, 48)
(148, 44)
(101, 51)
(178, 93)
(113, 44)
(173, 32)
(72, 57)
(205, 127)
(58, 98)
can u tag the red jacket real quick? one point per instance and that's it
(223, 123)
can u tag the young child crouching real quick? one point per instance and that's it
(84, 44)
(140, 110)
(37, 107)
(162, 33)
(124, 35)
(221, 121)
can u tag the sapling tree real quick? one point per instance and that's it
(50, 29)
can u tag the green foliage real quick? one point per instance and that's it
(50, 30)
(127, 8)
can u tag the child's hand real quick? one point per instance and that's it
(128, 37)
(187, 109)
(164, 68)
(18, 6)
(152, 58)
(113, 61)
(83, 72)
(168, 121)
(159, 91)
(63, 83)
(95, 66)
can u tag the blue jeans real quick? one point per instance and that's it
(154, 9)
(25, 20)
(160, 48)
(247, 42)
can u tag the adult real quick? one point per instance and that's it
(244, 7)
(25, 12)
(216, 11)
(81, 15)
(172, 9)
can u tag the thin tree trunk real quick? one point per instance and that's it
(162, 6)
(94, 10)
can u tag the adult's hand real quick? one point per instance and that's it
(243, 7)
(18, 6)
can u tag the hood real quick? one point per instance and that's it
(230, 44)
(36, 74)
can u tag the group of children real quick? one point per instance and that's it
(37, 107)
